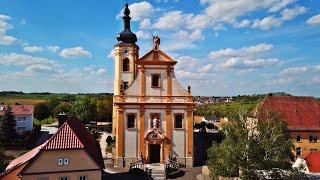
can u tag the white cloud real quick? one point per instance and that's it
(111, 54)
(244, 63)
(267, 23)
(191, 36)
(4, 27)
(139, 10)
(280, 5)
(143, 35)
(53, 49)
(294, 70)
(39, 68)
(244, 51)
(244, 23)
(32, 49)
(23, 22)
(101, 71)
(75, 52)
(145, 24)
(24, 60)
(314, 20)
(289, 14)
(205, 68)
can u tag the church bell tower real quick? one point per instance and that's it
(126, 52)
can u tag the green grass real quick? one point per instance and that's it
(50, 120)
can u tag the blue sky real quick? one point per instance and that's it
(223, 47)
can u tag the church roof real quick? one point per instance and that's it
(126, 36)
(300, 113)
(156, 57)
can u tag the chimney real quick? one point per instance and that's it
(62, 118)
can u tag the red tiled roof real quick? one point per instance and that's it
(313, 161)
(74, 135)
(19, 109)
(299, 112)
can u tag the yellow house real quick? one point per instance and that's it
(71, 153)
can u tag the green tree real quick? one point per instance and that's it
(104, 110)
(63, 107)
(249, 146)
(52, 104)
(41, 111)
(8, 126)
(84, 109)
(4, 160)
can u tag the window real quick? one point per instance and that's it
(125, 85)
(83, 178)
(298, 138)
(60, 161)
(313, 139)
(155, 80)
(21, 129)
(155, 119)
(23, 118)
(131, 121)
(64, 178)
(178, 120)
(63, 161)
(125, 65)
(313, 150)
(298, 151)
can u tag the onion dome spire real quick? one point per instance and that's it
(126, 35)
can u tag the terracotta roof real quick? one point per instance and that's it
(74, 135)
(300, 113)
(313, 161)
(18, 109)
(25, 158)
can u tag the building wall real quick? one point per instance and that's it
(13, 175)
(28, 124)
(47, 161)
(304, 143)
(96, 175)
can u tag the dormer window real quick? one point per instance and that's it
(125, 65)
(155, 80)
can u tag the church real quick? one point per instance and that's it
(152, 112)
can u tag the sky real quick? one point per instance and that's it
(223, 47)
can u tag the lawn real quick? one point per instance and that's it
(50, 120)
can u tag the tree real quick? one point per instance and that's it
(63, 107)
(84, 109)
(8, 126)
(41, 111)
(250, 146)
(4, 160)
(52, 104)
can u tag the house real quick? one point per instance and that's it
(153, 113)
(302, 115)
(71, 153)
(23, 115)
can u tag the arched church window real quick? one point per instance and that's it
(125, 64)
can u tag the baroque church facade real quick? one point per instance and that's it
(152, 112)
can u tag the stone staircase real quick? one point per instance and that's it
(158, 171)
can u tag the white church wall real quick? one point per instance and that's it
(131, 135)
(163, 82)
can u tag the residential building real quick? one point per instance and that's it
(23, 115)
(302, 115)
(153, 113)
(71, 153)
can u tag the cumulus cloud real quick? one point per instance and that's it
(244, 63)
(242, 24)
(289, 14)
(244, 51)
(53, 49)
(75, 52)
(145, 24)
(101, 71)
(191, 36)
(139, 10)
(39, 68)
(32, 49)
(294, 70)
(314, 20)
(24, 60)
(143, 35)
(280, 5)
(4, 27)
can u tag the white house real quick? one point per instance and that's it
(23, 115)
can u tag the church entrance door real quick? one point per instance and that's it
(154, 153)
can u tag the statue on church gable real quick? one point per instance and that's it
(156, 42)
(155, 123)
